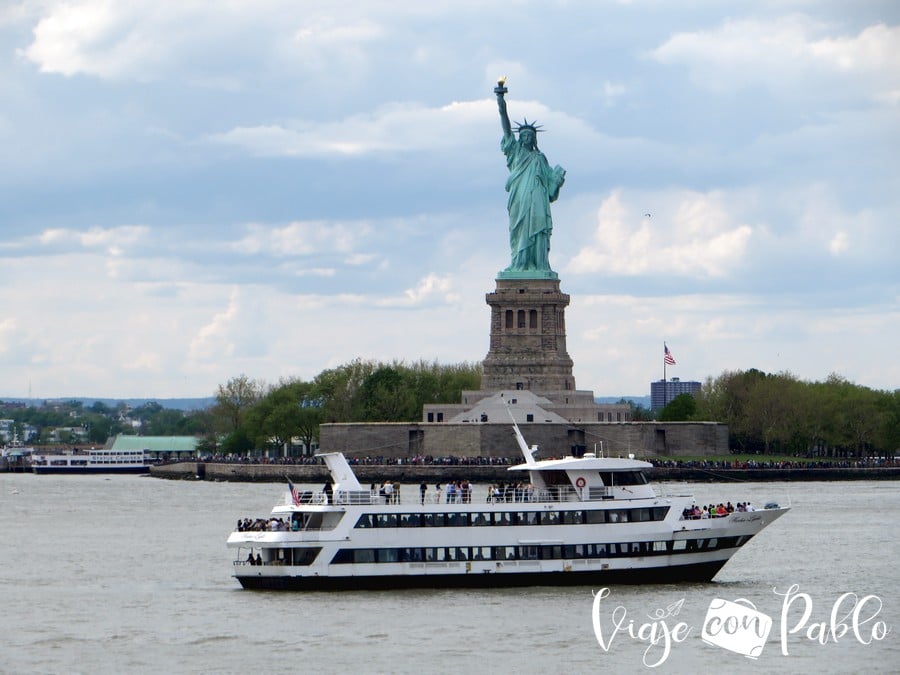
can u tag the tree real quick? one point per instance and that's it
(290, 410)
(233, 399)
(680, 409)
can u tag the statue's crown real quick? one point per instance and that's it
(525, 124)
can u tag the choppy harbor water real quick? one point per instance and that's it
(131, 574)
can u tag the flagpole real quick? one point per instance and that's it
(665, 386)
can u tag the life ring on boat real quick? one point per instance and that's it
(580, 482)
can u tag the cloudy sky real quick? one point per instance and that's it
(194, 190)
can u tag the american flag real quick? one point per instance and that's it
(295, 496)
(667, 355)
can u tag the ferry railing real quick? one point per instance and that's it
(558, 493)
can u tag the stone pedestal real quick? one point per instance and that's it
(528, 337)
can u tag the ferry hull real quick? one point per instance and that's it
(78, 471)
(694, 572)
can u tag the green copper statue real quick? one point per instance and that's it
(531, 185)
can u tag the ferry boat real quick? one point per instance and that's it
(94, 461)
(579, 520)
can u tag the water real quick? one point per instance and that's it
(131, 574)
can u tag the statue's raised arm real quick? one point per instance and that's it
(500, 90)
(531, 185)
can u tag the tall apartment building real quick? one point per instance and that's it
(663, 391)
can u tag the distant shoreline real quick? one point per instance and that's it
(408, 473)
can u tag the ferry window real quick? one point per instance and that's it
(630, 478)
(481, 519)
(660, 512)
(571, 517)
(462, 553)
(344, 555)
(551, 552)
(600, 550)
(712, 543)
(440, 519)
(427, 520)
(365, 520)
(457, 519)
(530, 518)
(386, 520)
(305, 556)
(409, 520)
(581, 551)
(388, 555)
(503, 519)
(659, 547)
(727, 542)
(618, 516)
(680, 546)
(430, 554)
(640, 515)
(528, 553)
(364, 555)
(481, 553)
(551, 518)
(595, 517)
(504, 552)
(606, 477)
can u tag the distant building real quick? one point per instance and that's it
(663, 391)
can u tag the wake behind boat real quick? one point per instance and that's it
(588, 520)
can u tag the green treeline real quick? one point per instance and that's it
(250, 415)
(765, 413)
(779, 414)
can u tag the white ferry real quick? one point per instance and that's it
(93, 461)
(589, 520)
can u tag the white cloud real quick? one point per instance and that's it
(301, 238)
(780, 53)
(394, 127)
(113, 239)
(433, 289)
(693, 235)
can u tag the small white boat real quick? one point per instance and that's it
(589, 520)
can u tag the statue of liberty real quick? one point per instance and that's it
(531, 185)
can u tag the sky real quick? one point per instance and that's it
(192, 191)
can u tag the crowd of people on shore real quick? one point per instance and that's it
(416, 460)
(733, 464)
(669, 463)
